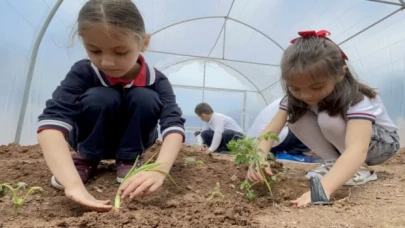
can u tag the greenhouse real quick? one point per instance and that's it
(226, 53)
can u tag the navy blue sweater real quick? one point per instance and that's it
(62, 111)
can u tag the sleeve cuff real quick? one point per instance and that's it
(283, 107)
(171, 130)
(364, 116)
(55, 125)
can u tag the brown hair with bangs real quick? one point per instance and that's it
(122, 14)
(320, 57)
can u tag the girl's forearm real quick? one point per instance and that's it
(344, 169)
(169, 151)
(58, 158)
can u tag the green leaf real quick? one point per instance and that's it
(251, 195)
(241, 159)
(271, 156)
(189, 159)
(199, 162)
(274, 178)
(3, 191)
(244, 185)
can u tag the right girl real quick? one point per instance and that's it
(340, 119)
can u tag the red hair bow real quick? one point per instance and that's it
(321, 33)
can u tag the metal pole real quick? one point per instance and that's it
(244, 111)
(382, 19)
(32, 68)
(204, 57)
(212, 88)
(387, 2)
(203, 91)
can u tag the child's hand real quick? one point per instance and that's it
(81, 196)
(302, 201)
(255, 175)
(204, 148)
(141, 184)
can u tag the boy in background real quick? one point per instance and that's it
(221, 129)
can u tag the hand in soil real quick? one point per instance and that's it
(141, 184)
(302, 201)
(204, 148)
(255, 176)
(84, 198)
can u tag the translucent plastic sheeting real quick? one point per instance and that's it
(20, 25)
(232, 47)
(224, 89)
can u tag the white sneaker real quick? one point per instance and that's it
(321, 171)
(362, 176)
(55, 184)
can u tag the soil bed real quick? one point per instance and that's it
(377, 204)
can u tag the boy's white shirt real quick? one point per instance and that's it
(219, 123)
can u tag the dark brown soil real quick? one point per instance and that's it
(378, 204)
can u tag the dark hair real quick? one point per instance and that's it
(319, 56)
(120, 13)
(203, 108)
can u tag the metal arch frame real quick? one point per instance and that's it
(219, 17)
(200, 56)
(216, 17)
(31, 69)
(402, 7)
(401, 2)
(59, 2)
(224, 64)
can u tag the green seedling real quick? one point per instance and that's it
(18, 201)
(196, 146)
(193, 160)
(217, 192)
(247, 187)
(247, 153)
(134, 170)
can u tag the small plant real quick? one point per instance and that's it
(193, 160)
(247, 187)
(216, 192)
(18, 201)
(247, 153)
(134, 170)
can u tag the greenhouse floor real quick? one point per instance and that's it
(377, 204)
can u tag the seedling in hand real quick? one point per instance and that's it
(247, 153)
(134, 170)
(18, 201)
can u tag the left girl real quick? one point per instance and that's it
(108, 106)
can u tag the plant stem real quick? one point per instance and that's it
(133, 171)
(33, 189)
(265, 181)
(117, 203)
(15, 209)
